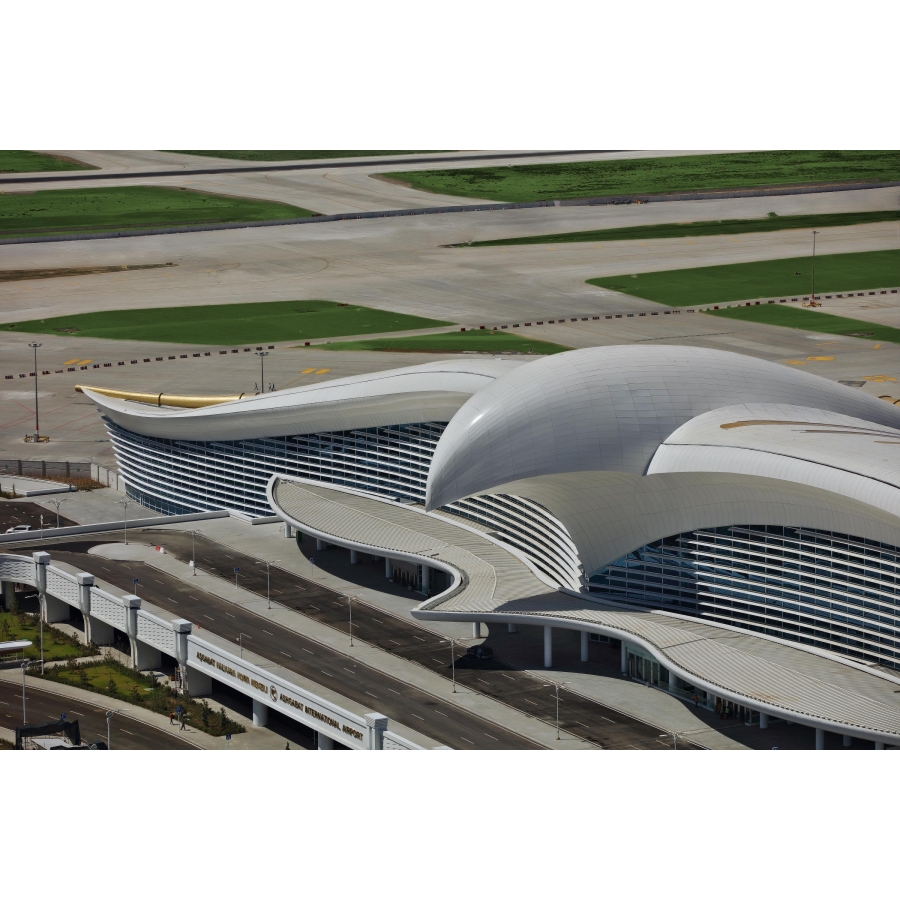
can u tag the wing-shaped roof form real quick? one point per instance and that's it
(609, 409)
(432, 392)
(609, 514)
(837, 453)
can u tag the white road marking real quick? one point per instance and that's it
(288, 655)
(268, 633)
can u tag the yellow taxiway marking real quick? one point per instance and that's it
(878, 379)
(820, 358)
(322, 371)
(876, 347)
(796, 362)
(308, 371)
(84, 362)
(70, 362)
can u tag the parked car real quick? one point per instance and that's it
(17, 528)
(480, 652)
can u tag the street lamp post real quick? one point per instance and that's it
(124, 504)
(813, 297)
(25, 665)
(453, 662)
(262, 354)
(193, 554)
(350, 607)
(37, 429)
(556, 685)
(268, 563)
(57, 503)
(42, 526)
(109, 714)
(241, 637)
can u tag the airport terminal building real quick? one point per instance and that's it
(733, 522)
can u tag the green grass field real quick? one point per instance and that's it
(452, 342)
(231, 323)
(123, 208)
(57, 644)
(755, 280)
(597, 178)
(698, 229)
(809, 320)
(29, 161)
(290, 155)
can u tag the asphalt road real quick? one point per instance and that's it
(28, 513)
(42, 705)
(580, 716)
(399, 701)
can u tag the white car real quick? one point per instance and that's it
(16, 528)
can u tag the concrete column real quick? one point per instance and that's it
(673, 682)
(548, 647)
(512, 628)
(41, 561)
(323, 742)
(388, 568)
(9, 594)
(476, 629)
(288, 530)
(260, 714)
(710, 700)
(377, 725)
(97, 632)
(182, 628)
(879, 745)
(820, 739)
(55, 610)
(354, 557)
(848, 741)
(624, 659)
(584, 646)
(763, 720)
(426, 580)
(320, 544)
(132, 604)
(197, 683)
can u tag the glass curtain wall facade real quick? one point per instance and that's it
(829, 590)
(176, 477)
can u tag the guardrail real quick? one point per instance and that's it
(200, 660)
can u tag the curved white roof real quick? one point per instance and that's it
(490, 584)
(432, 392)
(833, 452)
(609, 514)
(609, 409)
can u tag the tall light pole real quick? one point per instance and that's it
(350, 607)
(110, 713)
(124, 504)
(556, 685)
(268, 563)
(193, 554)
(262, 354)
(57, 503)
(37, 428)
(25, 665)
(813, 297)
(241, 637)
(453, 662)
